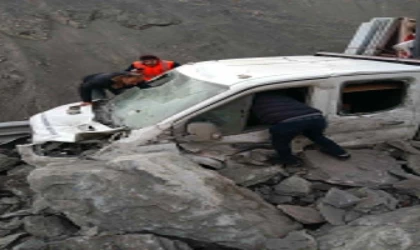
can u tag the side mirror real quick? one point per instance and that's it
(203, 131)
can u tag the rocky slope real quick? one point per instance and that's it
(165, 201)
(46, 46)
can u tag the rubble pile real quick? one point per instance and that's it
(163, 199)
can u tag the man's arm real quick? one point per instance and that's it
(85, 92)
(130, 68)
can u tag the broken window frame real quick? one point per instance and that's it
(405, 81)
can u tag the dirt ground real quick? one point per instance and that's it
(46, 46)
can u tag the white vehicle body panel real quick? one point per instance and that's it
(56, 125)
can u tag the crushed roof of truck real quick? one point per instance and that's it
(243, 71)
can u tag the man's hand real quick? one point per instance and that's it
(85, 104)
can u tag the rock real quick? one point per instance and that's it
(9, 201)
(405, 146)
(258, 157)
(6, 241)
(332, 215)
(279, 199)
(205, 161)
(304, 215)
(163, 193)
(308, 198)
(48, 226)
(340, 199)
(21, 170)
(375, 201)
(352, 215)
(16, 214)
(397, 230)
(411, 187)
(11, 224)
(7, 163)
(31, 243)
(110, 153)
(413, 162)
(366, 168)
(120, 242)
(298, 240)
(317, 185)
(294, 186)
(248, 175)
(18, 185)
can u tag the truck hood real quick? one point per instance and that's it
(58, 125)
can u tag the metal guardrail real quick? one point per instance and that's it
(10, 131)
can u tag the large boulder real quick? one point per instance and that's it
(366, 168)
(397, 230)
(163, 193)
(120, 242)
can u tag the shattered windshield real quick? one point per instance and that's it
(170, 94)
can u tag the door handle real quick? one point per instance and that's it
(392, 123)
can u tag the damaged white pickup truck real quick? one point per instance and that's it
(204, 108)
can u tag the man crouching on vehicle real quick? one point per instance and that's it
(94, 86)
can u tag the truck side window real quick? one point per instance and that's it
(371, 96)
(230, 118)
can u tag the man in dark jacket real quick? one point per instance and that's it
(115, 83)
(289, 118)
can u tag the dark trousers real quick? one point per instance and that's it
(311, 127)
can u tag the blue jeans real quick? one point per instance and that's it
(311, 127)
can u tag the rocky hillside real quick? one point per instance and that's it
(46, 46)
(156, 198)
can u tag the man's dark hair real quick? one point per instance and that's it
(148, 57)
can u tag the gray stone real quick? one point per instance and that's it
(397, 230)
(19, 213)
(411, 187)
(109, 153)
(375, 201)
(308, 198)
(298, 240)
(413, 162)
(352, 215)
(332, 215)
(279, 199)
(120, 242)
(205, 161)
(294, 186)
(7, 163)
(9, 201)
(163, 193)
(248, 175)
(48, 226)
(11, 224)
(366, 168)
(19, 186)
(21, 170)
(4, 232)
(340, 199)
(304, 215)
(6, 241)
(31, 243)
(258, 157)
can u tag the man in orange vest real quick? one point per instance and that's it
(152, 66)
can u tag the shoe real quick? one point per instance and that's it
(344, 156)
(287, 161)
